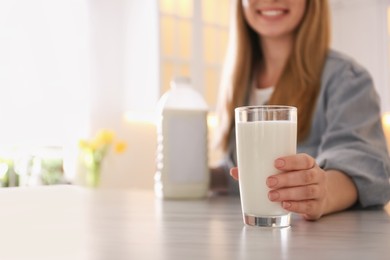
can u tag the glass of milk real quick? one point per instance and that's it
(263, 133)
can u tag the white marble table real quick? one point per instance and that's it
(68, 222)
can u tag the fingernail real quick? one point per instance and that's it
(273, 195)
(286, 205)
(271, 181)
(279, 163)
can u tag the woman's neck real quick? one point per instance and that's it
(275, 55)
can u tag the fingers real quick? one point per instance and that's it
(297, 193)
(290, 163)
(309, 209)
(301, 187)
(295, 162)
(298, 170)
(234, 173)
(296, 178)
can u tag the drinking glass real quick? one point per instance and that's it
(263, 134)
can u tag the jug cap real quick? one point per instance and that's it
(181, 81)
(182, 96)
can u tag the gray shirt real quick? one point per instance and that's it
(346, 132)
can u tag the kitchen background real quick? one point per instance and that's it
(69, 68)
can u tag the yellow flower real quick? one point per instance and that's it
(104, 137)
(101, 143)
(120, 147)
(95, 150)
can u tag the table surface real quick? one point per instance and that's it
(69, 222)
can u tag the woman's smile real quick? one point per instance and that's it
(276, 19)
(272, 13)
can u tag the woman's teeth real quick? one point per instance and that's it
(272, 12)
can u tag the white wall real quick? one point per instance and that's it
(360, 30)
(44, 69)
(107, 40)
(124, 77)
(142, 61)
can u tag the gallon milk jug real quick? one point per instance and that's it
(182, 165)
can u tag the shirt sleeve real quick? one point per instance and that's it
(353, 141)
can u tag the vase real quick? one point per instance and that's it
(93, 175)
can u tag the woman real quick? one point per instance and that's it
(279, 54)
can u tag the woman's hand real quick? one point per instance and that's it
(301, 187)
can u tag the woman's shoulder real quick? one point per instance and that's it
(340, 64)
(343, 76)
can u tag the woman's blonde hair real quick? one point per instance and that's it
(300, 81)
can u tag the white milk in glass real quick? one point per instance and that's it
(256, 156)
